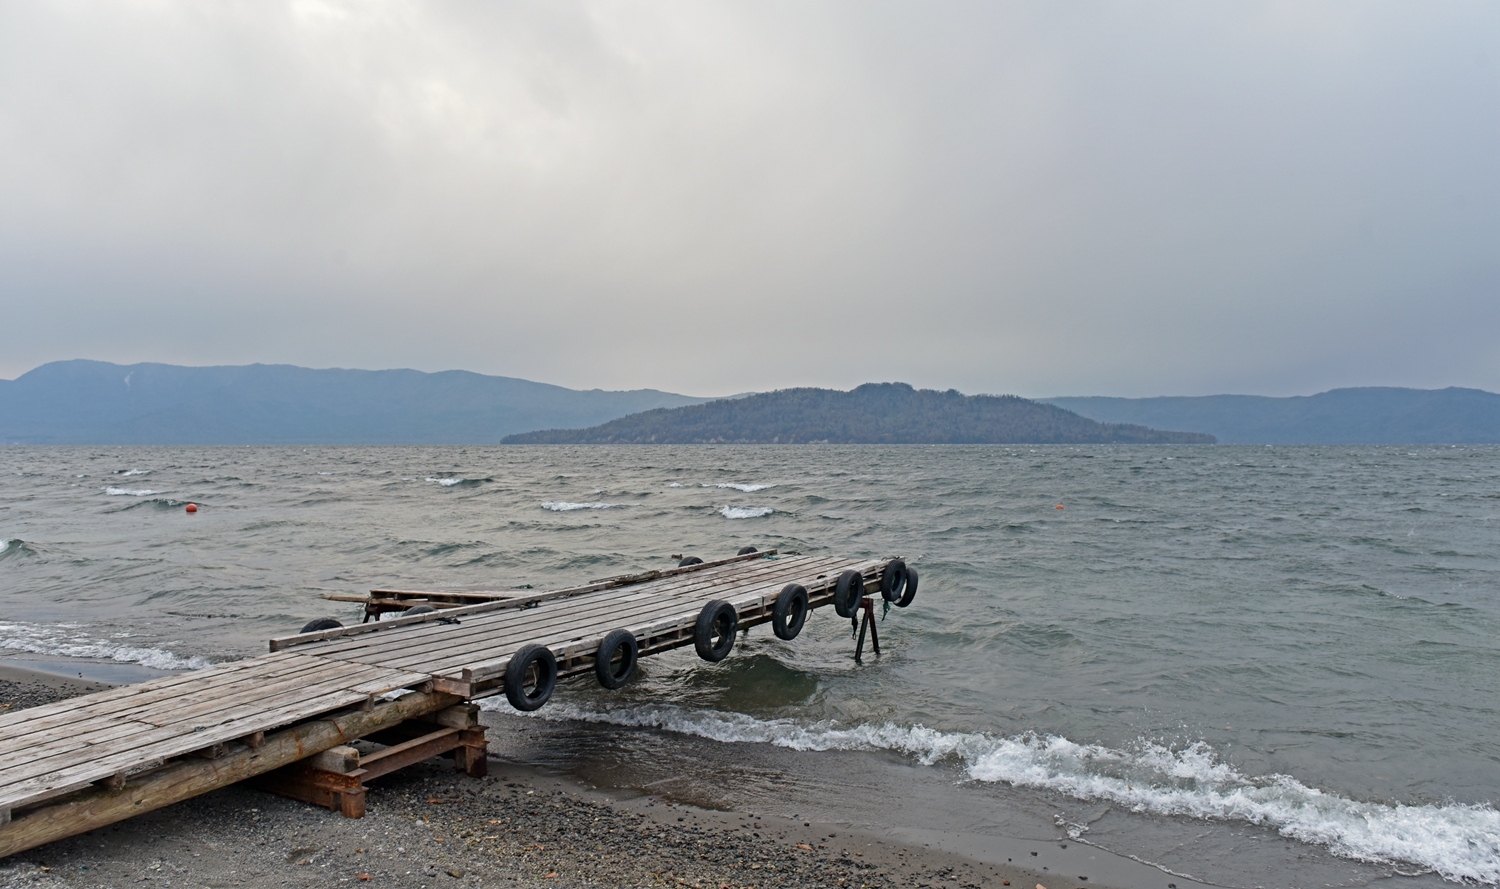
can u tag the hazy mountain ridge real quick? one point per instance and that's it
(875, 413)
(1366, 415)
(95, 402)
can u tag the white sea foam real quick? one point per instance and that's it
(561, 506)
(5, 545)
(1460, 842)
(745, 512)
(747, 489)
(676, 485)
(448, 482)
(131, 472)
(129, 492)
(67, 640)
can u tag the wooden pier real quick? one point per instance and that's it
(286, 719)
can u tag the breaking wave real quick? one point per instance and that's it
(131, 472)
(1459, 842)
(561, 506)
(747, 489)
(745, 512)
(128, 492)
(65, 641)
(15, 547)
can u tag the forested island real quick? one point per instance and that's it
(875, 413)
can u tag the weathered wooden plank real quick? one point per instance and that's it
(480, 634)
(91, 728)
(217, 701)
(672, 631)
(165, 744)
(624, 580)
(186, 731)
(580, 605)
(754, 605)
(98, 807)
(399, 756)
(499, 640)
(26, 722)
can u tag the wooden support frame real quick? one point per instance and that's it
(335, 779)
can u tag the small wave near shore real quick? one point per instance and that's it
(1459, 842)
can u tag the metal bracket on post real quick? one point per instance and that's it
(866, 605)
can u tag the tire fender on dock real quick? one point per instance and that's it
(911, 588)
(847, 592)
(518, 671)
(621, 642)
(789, 612)
(893, 581)
(718, 618)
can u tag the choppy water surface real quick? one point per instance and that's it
(1257, 666)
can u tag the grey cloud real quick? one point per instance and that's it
(704, 197)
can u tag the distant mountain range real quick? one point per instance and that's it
(94, 402)
(1372, 415)
(875, 413)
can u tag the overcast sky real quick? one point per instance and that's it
(1045, 198)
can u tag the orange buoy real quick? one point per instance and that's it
(193, 507)
(1059, 506)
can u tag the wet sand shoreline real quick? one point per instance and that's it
(521, 826)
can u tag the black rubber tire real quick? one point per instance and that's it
(515, 677)
(847, 592)
(893, 581)
(911, 588)
(623, 642)
(717, 618)
(418, 609)
(689, 560)
(322, 623)
(747, 550)
(789, 612)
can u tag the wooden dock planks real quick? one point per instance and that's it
(67, 767)
(467, 649)
(58, 748)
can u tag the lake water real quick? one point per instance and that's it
(1250, 665)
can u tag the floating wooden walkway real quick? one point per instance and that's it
(82, 763)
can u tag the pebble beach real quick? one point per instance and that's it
(429, 826)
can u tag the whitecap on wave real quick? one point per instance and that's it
(68, 641)
(448, 482)
(561, 506)
(128, 492)
(745, 512)
(1459, 842)
(745, 489)
(130, 473)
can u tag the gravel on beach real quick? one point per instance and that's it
(431, 826)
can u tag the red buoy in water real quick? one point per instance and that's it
(1059, 506)
(192, 507)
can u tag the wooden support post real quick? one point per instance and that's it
(189, 777)
(473, 753)
(332, 779)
